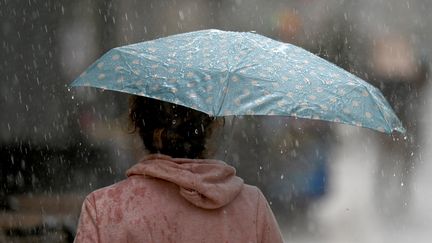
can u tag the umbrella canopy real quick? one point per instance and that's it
(241, 73)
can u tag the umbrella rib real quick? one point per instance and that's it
(381, 111)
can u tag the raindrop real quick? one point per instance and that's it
(73, 97)
(402, 184)
(181, 15)
(174, 122)
(196, 131)
(282, 176)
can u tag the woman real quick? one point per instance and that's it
(175, 194)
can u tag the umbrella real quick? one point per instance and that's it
(226, 73)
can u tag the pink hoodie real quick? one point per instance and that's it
(178, 200)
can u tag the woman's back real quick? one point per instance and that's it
(178, 200)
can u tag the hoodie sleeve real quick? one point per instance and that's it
(267, 228)
(87, 226)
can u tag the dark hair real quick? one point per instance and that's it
(169, 129)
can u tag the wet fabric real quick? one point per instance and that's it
(225, 73)
(178, 200)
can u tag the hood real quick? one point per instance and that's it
(205, 183)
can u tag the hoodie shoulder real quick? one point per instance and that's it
(113, 190)
(121, 193)
(251, 191)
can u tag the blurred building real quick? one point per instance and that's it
(55, 141)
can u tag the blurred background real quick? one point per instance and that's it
(325, 182)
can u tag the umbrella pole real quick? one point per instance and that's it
(230, 137)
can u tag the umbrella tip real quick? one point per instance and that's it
(399, 134)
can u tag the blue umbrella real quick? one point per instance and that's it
(226, 73)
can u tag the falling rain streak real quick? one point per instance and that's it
(57, 143)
